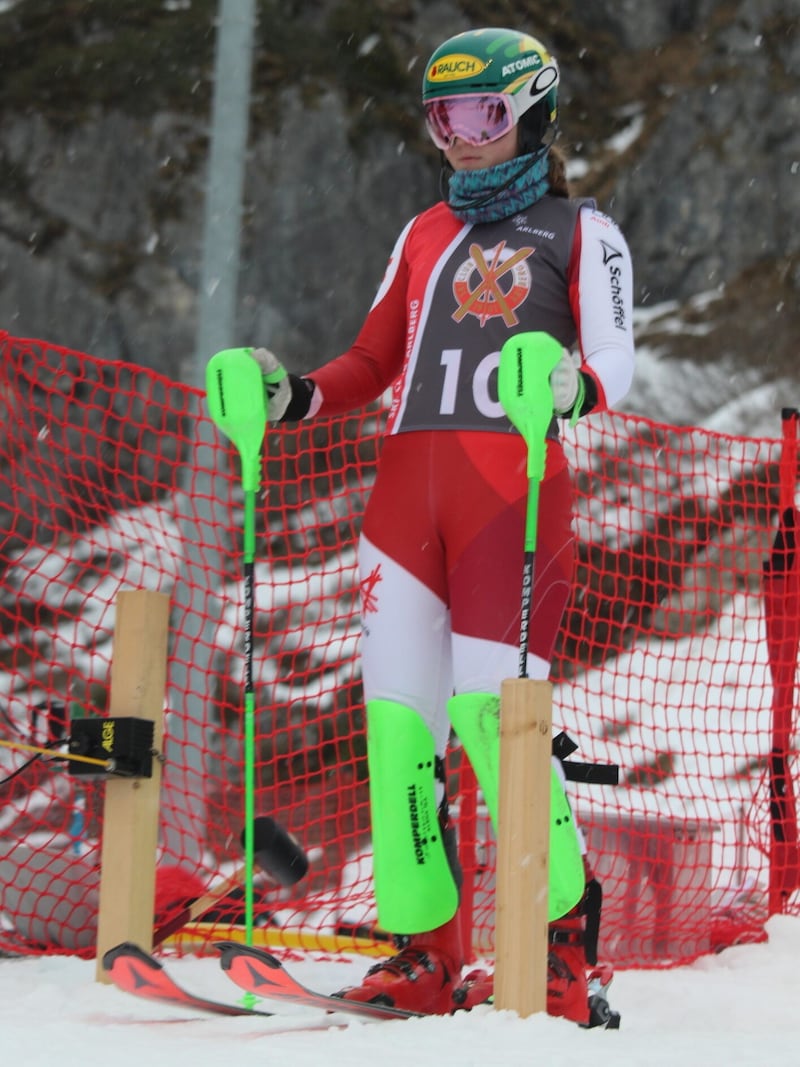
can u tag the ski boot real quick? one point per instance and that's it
(476, 987)
(577, 985)
(598, 979)
(423, 976)
(567, 987)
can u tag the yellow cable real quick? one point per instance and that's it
(57, 755)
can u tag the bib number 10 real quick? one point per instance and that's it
(484, 384)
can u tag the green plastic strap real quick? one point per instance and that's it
(476, 719)
(577, 407)
(414, 886)
(275, 377)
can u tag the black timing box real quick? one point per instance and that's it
(127, 744)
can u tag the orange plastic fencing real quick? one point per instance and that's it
(677, 662)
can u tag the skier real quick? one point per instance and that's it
(506, 251)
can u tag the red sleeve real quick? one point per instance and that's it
(374, 361)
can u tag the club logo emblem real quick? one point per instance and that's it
(492, 282)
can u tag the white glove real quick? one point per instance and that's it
(277, 386)
(566, 383)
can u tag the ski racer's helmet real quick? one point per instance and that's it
(480, 83)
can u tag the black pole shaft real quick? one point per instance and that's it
(525, 613)
(249, 601)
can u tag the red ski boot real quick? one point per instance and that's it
(567, 987)
(422, 977)
(577, 985)
(600, 1014)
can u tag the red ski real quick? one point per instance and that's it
(262, 974)
(135, 971)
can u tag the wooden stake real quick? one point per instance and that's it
(130, 813)
(523, 846)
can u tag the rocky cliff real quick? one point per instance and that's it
(681, 117)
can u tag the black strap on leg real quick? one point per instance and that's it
(588, 934)
(591, 906)
(449, 835)
(574, 771)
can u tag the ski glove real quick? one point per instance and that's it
(574, 393)
(288, 396)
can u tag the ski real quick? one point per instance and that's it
(138, 973)
(262, 974)
(135, 971)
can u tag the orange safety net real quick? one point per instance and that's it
(112, 477)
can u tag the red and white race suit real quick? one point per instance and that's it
(441, 548)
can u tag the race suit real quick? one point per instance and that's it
(441, 544)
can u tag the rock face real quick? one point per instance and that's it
(101, 217)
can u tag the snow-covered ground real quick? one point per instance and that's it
(732, 1009)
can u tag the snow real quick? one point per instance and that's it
(725, 1010)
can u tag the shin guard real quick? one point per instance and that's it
(476, 719)
(414, 886)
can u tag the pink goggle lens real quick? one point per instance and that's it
(475, 119)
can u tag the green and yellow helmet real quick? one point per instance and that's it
(494, 61)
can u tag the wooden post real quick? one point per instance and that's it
(523, 846)
(131, 807)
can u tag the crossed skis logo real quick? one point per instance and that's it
(492, 282)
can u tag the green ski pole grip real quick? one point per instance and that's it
(236, 403)
(523, 386)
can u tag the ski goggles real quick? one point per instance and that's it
(475, 118)
(480, 118)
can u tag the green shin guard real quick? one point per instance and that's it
(476, 719)
(414, 886)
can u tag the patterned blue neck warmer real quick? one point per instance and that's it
(499, 192)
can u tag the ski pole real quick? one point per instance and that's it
(523, 385)
(235, 394)
(527, 896)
